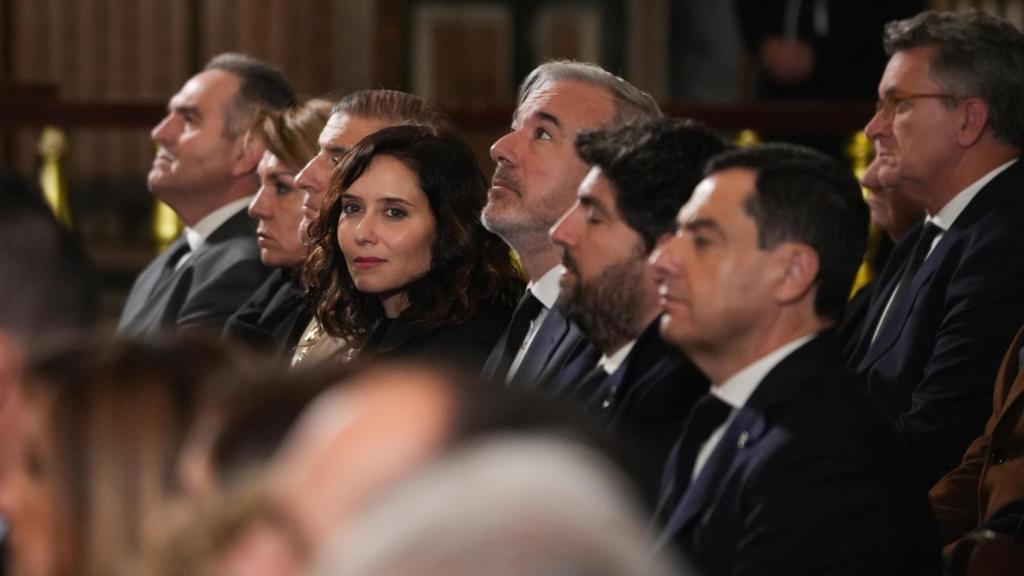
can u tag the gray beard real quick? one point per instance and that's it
(606, 308)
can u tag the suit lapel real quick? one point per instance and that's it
(150, 279)
(750, 424)
(900, 310)
(747, 426)
(549, 336)
(883, 290)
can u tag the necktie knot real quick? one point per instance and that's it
(525, 313)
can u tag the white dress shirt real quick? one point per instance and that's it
(196, 235)
(944, 219)
(546, 289)
(738, 388)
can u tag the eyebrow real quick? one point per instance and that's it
(548, 117)
(332, 148)
(386, 199)
(703, 224)
(185, 109)
(591, 202)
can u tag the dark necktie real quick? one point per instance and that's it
(914, 262)
(525, 313)
(178, 250)
(708, 414)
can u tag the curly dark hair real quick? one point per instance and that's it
(472, 270)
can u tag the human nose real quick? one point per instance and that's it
(503, 151)
(311, 178)
(877, 124)
(260, 207)
(164, 131)
(564, 232)
(664, 258)
(365, 231)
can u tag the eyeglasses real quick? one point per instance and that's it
(887, 105)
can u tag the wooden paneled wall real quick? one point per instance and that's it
(143, 50)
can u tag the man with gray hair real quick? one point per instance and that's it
(948, 130)
(205, 170)
(534, 183)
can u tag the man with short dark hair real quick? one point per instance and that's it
(641, 174)
(205, 170)
(785, 466)
(534, 183)
(948, 131)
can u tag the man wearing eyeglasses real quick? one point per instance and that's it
(949, 128)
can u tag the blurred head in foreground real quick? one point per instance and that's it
(504, 506)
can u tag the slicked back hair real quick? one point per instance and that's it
(654, 166)
(263, 87)
(801, 195)
(395, 106)
(630, 102)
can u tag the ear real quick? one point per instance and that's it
(799, 266)
(248, 150)
(973, 121)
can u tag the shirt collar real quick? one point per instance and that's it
(952, 210)
(547, 287)
(738, 388)
(612, 363)
(196, 235)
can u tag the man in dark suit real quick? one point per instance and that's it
(205, 170)
(534, 183)
(641, 174)
(785, 466)
(948, 132)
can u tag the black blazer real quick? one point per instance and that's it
(462, 346)
(808, 478)
(205, 291)
(557, 341)
(935, 360)
(646, 400)
(274, 317)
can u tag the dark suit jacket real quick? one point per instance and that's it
(808, 478)
(991, 474)
(647, 399)
(934, 361)
(557, 341)
(463, 346)
(205, 291)
(274, 317)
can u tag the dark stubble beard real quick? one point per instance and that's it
(606, 308)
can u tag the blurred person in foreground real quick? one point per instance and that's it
(502, 506)
(274, 317)
(48, 293)
(785, 465)
(97, 439)
(351, 446)
(403, 266)
(205, 170)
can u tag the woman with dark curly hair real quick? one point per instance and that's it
(401, 263)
